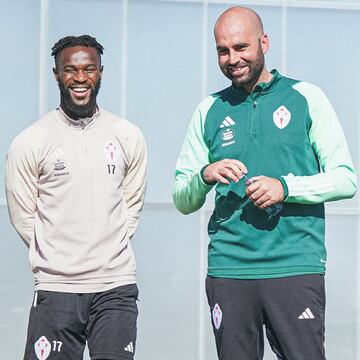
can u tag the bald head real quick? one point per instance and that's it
(241, 45)
(244, 19)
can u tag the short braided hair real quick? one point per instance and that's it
(70, 41)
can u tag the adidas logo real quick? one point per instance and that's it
(307, 314)
(228, 121)
(130, 348)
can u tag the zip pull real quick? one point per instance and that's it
(254, 104)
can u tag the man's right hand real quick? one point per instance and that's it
(223, 171)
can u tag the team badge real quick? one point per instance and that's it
(111, 151)
(42, 348)
(217, 316)
(281, 117)
(227, 134)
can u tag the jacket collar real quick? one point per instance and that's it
(261, 87)
(79, 123)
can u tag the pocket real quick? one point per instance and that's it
(40, 297)
(136, 292)
(35, 299)
(320, 291)
(130, 292)
(208, 287)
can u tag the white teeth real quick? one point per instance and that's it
(79, 89)
(240, 68)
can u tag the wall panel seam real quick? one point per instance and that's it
(43, 63)
(202, 234)
(284, 37)
(124, 57)
(358, 232)
(319, 4)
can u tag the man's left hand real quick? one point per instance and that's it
(264, 191)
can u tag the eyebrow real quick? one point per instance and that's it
(74, 65)
(241, 44)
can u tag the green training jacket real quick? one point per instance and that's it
(286, 129)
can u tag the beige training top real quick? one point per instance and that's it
(74, 192)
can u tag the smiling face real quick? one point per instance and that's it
(241, 45)
(78, 73)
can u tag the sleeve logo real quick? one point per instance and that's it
(281, 117)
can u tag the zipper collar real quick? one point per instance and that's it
(264, 87)
(82, 123)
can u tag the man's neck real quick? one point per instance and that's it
(78, 117)
(265, 77)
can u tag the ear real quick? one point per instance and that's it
(265, 43)
(56, 75)
(101, 70)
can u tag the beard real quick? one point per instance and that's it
(74, 110)
(255, 69)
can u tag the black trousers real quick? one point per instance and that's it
(60, 324)
(292, 310)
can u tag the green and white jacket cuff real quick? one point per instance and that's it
(333, 185)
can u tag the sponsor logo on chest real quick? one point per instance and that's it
(59, 163)
(228, 134)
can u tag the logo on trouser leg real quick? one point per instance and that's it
(42, 348)
(130, 348)
(307, 314)
(217, 316)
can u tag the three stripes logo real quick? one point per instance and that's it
(228, 121)
(130, 348)
(306, 315)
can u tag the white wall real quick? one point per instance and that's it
(160, 61)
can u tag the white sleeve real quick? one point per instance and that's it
(21, 181)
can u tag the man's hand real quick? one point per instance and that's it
(264, 191)
(224, 170)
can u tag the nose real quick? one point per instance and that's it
(233, 57)
(80, 76)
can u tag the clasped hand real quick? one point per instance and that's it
(263, 191)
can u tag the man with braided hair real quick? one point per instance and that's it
(75, 183)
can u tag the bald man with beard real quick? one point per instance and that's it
(274, 150)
